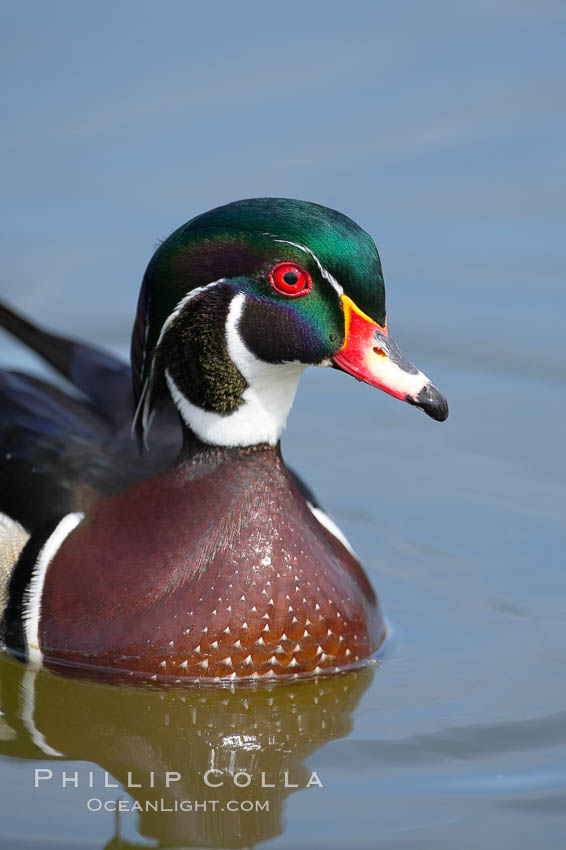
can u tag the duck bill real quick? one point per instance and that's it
(371, 355)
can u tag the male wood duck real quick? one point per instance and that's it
(207, 558)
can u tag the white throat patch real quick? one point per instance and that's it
(266, 401)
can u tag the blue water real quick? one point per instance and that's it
(440, 129)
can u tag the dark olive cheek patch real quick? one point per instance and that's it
(196, 354)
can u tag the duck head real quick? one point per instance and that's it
(238, 301)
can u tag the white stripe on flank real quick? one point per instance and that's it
(31, 607)
(267, 399)
(331, 526)
(324, 272)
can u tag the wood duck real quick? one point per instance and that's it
(203, 557)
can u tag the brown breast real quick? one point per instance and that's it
(216, 568)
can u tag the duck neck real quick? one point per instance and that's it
(195, 451)
(225, 394)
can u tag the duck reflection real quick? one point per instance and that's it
(201, 766)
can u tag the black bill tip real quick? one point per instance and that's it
(431, 401)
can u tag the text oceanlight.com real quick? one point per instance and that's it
(95, 804)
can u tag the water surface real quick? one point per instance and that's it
(439, 127)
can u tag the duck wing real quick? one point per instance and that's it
(103, 379)
(61, 452)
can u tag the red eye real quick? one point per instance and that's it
(289, 279)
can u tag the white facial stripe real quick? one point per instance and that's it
(31, 606)
(324, 272)
(266, 401)
(329, 524)
(143, 403)
(142, 367)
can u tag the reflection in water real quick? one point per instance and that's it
(249, 744)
